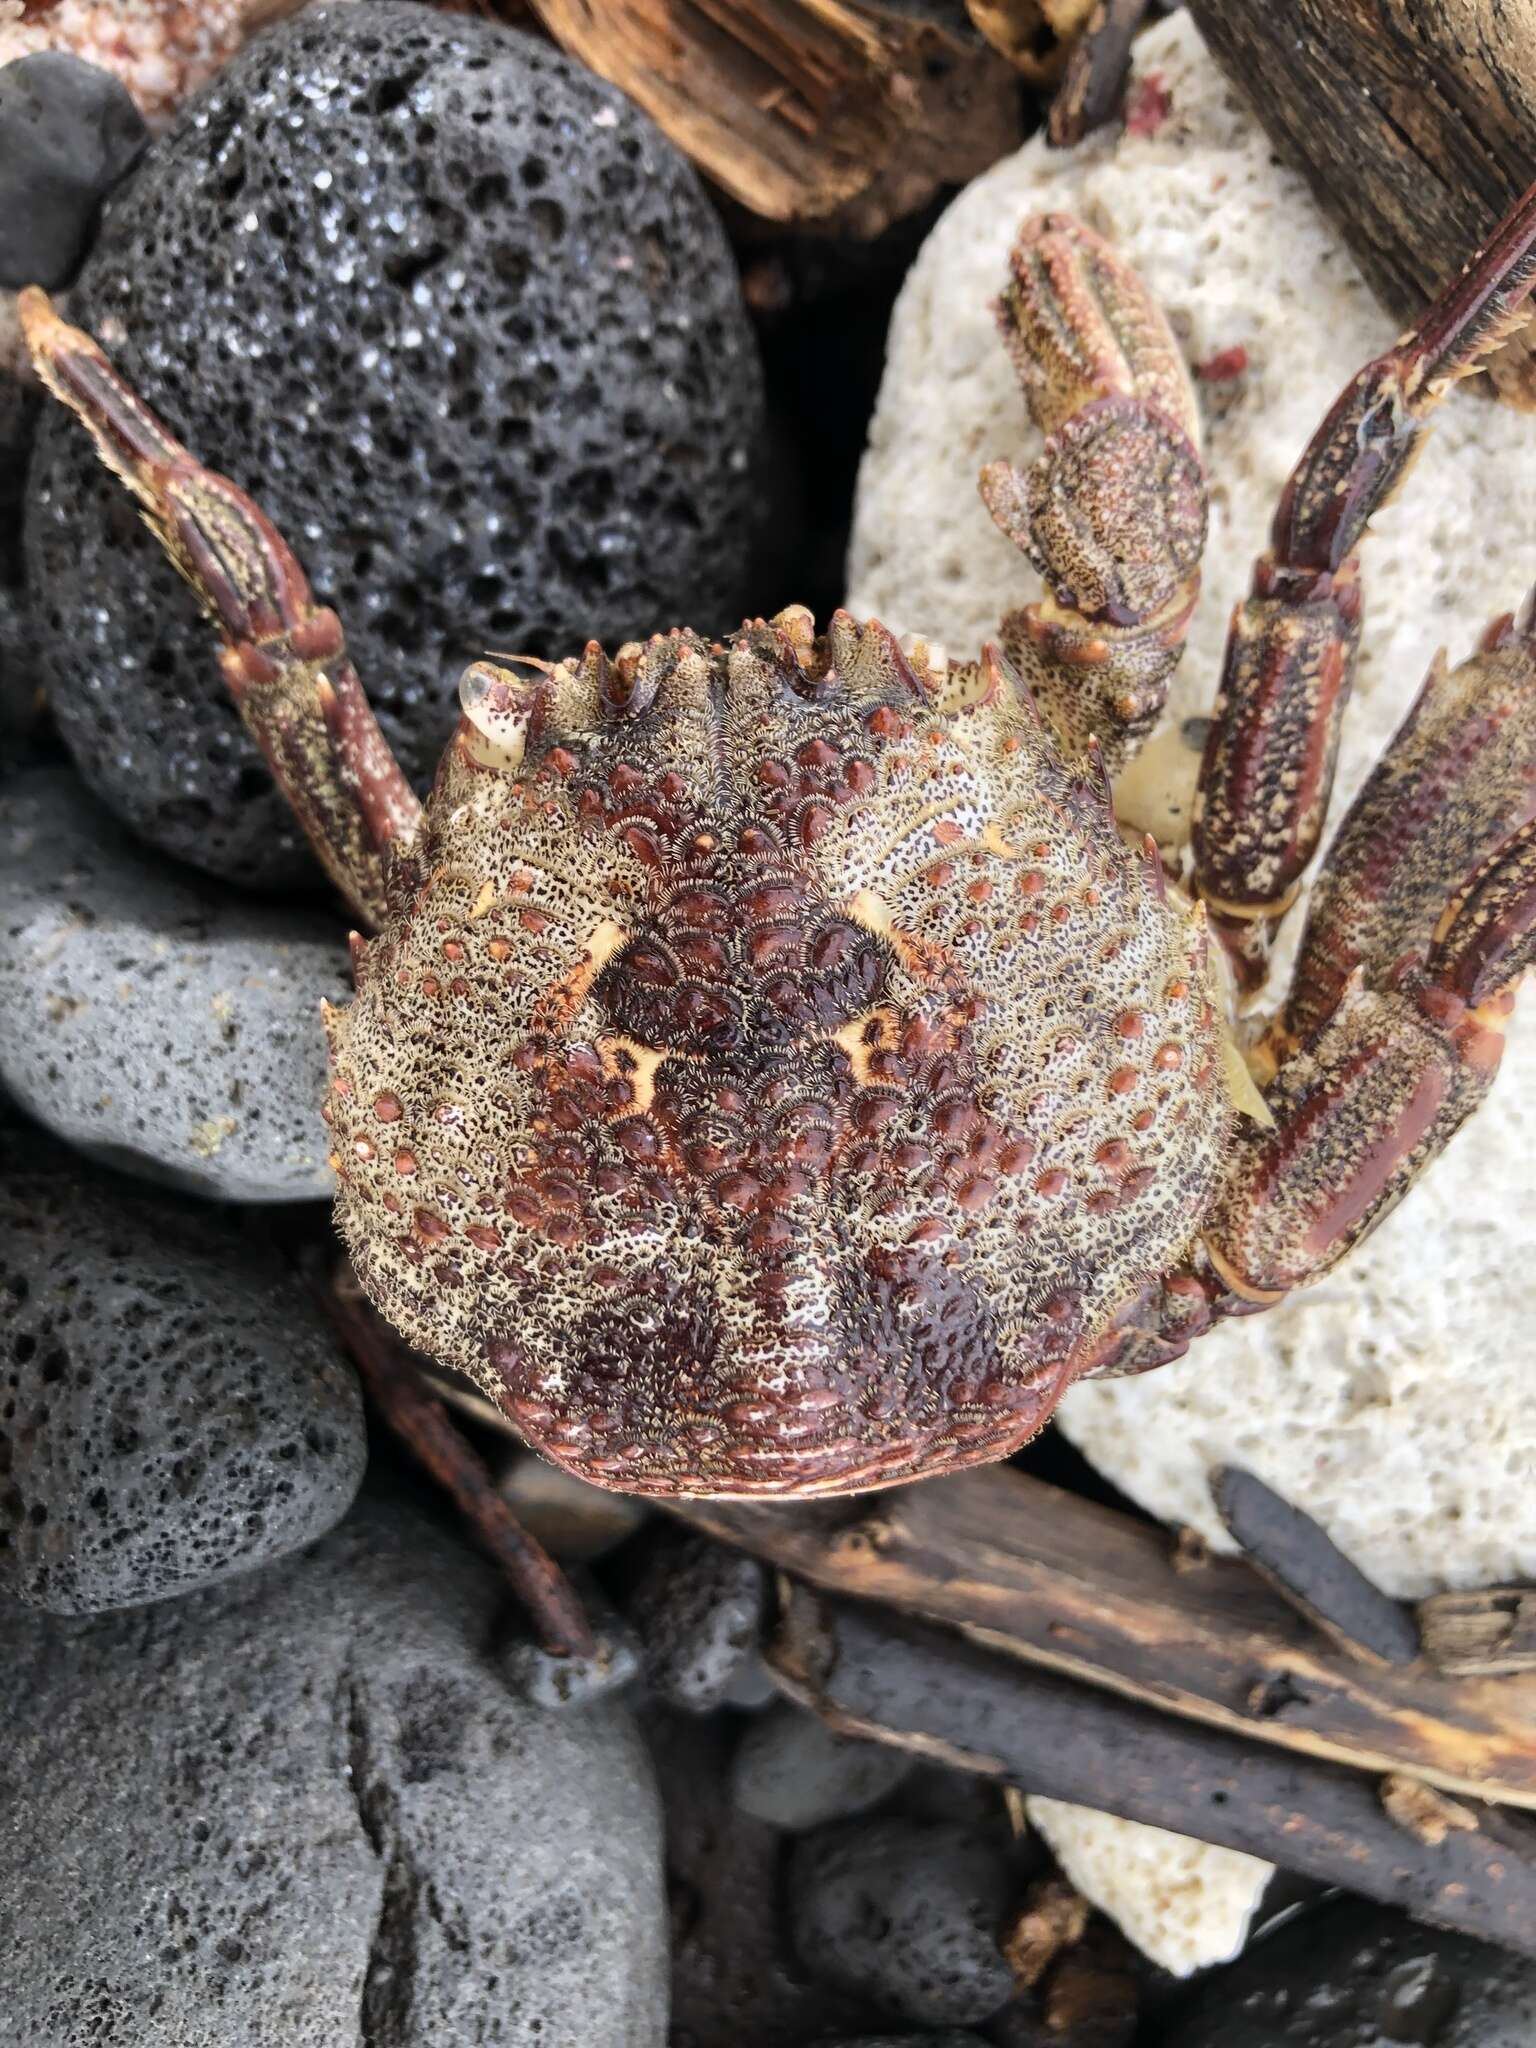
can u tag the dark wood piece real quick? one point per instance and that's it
(1484, 1634)
(421, 1422)
(1414, 125)
(1047, 1577)
(1301, 1561)
(841, 112)
(869, 1674)
(1093, 83)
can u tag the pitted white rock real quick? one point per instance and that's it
(1391, 1401)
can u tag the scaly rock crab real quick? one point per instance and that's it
(772, 1071)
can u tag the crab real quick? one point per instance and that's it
(772, 1070)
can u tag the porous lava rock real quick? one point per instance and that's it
(172, 1409)
(464, 322)
(152, 1019)
(1352, 1975)
(906, 1913)
(304, 1809)
(697, 1609)
(68, 132)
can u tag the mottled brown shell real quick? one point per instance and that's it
(776, 1072)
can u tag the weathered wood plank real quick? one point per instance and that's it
(806, 109)
(1058, 1581)
(1482, 1634)
(872, 1674)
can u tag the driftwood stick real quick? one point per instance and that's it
(1302, 1562)
(1414, 125)
(1058, 1581)
(1093, 83)
(1482, 1634)
(869, 1674)
(418, 1418)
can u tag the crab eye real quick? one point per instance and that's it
(496, 705)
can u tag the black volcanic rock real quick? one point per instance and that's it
(463, 321)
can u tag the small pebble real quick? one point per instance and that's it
(68, 133)
(153, 1020)
(174, 1410)
(752, 1685)
(697, 1609)
(906, 1913)
(555, 1683)
(792, 1771)
(575, 1522)
(736, 1981)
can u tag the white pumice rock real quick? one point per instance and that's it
(1184, 1903)
(1392, 1400)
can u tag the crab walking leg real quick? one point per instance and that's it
(1269, 761)
(1457, 779)
(1379, 1091)
(1371, 1100)
(284, 656)
(1113, 510)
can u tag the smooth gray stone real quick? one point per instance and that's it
(152, 1019)
(68, 132)
(304, 1810)
(174, 1411)
(793, 1772)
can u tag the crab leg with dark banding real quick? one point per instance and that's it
(1268, 769)
(284, 657)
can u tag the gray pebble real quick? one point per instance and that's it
(1355, 1975)
(792, 1771)
(908, 1914)
(555, 1683)
(463, 321)
(305, 1810)
(174, 1410)
(697, 1609)
(575, 1522)
(151, 1019)
(752, 1684)
(736, 1981)
(68, 132)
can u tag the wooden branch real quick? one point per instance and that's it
(1482, 1634)
(807, 110)
(1414, 125)
(1305, 1566)
(1093, 83)
(1058, 1581)
(897, 1681)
